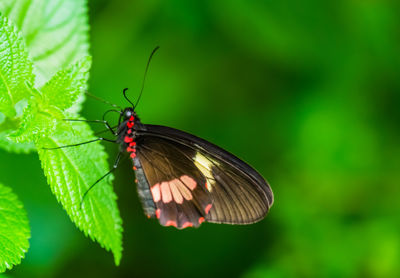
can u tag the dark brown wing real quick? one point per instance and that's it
(236, 192)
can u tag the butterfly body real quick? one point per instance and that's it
(183, 180)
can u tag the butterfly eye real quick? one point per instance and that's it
(127, 113)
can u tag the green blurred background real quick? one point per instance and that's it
(305, 91)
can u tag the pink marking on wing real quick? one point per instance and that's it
(170, 223)
(187, 224)
(201, 220)
(165, 192)
(129, 131)
(175, 191)
(155, 191)
(158, 211)
(189, 182)
(208, 207)
(184, 191)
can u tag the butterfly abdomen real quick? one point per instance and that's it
(143, 190)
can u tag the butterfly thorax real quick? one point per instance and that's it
(127, 131)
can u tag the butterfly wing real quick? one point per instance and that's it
(192, 180)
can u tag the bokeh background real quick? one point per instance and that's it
(305, 91)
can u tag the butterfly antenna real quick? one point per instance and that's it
(102, 100)
(145, 73)
(124, 92)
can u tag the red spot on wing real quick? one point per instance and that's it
(208, 207)
(170, 223)
(133, 155)
(175, 191)
(165, 192)
(187, 224)
(185, 192)
(129, 149)
(155, 191)
(129, 131)
(189, 182)
(129, 124)
(131, 118)
(132, 144)
(158, 211)
(201, 220)
(134, 168)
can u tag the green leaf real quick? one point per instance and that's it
(47, 106)
(12, 146)
(56, 32)
(39, 121)
(7, 127)
(15, 68)
(65, 86)
(70, 172)
(14, 229)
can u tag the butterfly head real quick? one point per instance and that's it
(128, 113)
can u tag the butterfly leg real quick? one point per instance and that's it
(105, 175)
(94, 121)
(83, 143)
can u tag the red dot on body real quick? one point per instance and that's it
(128, 139)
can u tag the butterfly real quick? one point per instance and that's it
(183, 180)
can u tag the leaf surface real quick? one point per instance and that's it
(14, 229)
(56, 32)
(15, 68)
(70, 174)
